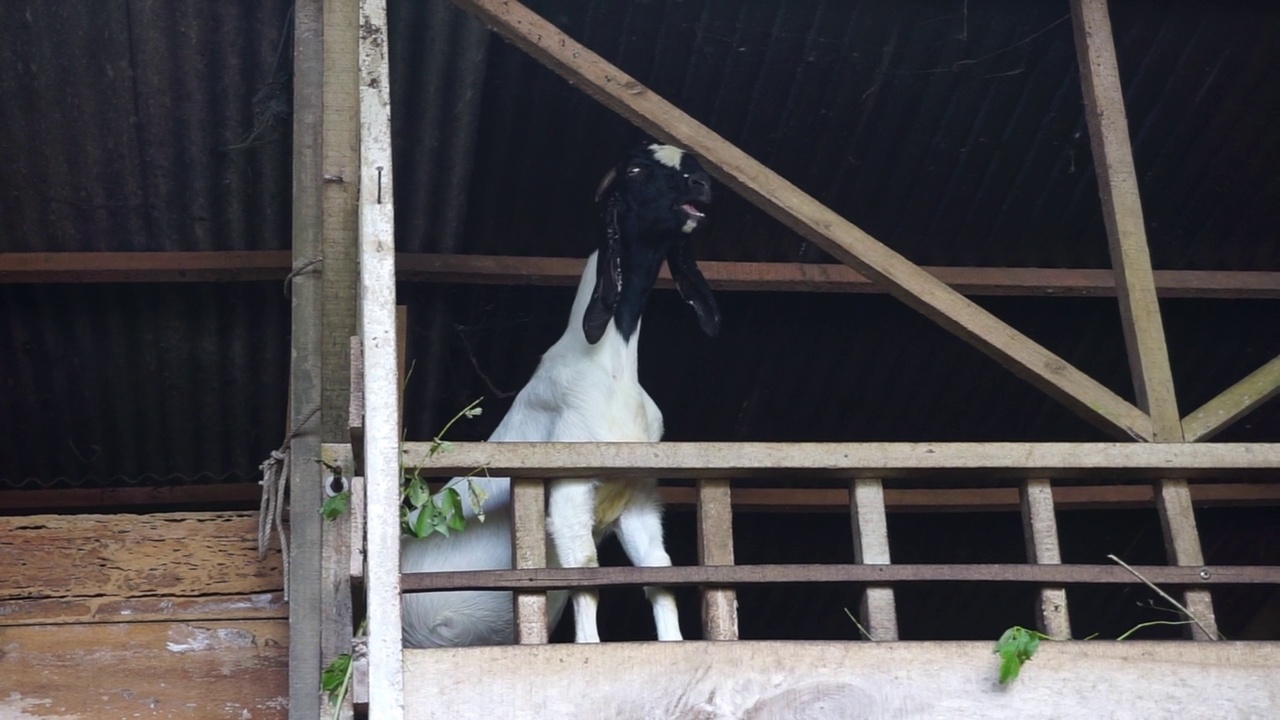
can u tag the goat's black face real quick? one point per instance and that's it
(663, 192)
(652, 204)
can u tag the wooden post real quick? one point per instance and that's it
(1135, 286)
(381, 384)
(529, 549)
(341, 141)
(306, 612)
(871, 547)
(715, 547)
(1040, 528)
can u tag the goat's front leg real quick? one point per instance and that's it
(640, 532)
(571, 514)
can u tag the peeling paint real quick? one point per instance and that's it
(15, 707)
(188, 638)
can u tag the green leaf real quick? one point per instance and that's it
(456, 519)
(333, 676)
(1015, 647)
(416, 492)
(336, 505)
(423, 526)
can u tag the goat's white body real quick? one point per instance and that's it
(579, 393)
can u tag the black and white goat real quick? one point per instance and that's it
(586, 388)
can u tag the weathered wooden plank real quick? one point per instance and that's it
(529, 580)
(529, 548)
(107, 609)
(715, 547)
(381, 387)
(977, 499)
(839, 278)
(260, 265)
(806, 216)
(1234, 403)
(1040, 528)
(306, 366)
(169, 670)
(169, 555)
(850, 680)
(1122, 213)
(335, 569)
(871, 547)
(1135, 286)
(1012, 461)
(238, 497)
(341, 163)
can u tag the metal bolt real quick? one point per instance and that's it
(1204, 573)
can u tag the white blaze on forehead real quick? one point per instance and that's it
(667, 155)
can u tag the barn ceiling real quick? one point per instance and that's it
(952, 131)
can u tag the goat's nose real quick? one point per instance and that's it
(700, 184)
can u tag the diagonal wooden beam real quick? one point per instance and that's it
(1234, 403)
(806, 216)
(1135, 281)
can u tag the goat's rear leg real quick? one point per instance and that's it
(640, 532)
(570, 521)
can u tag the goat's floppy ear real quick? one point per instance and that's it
(693, 286)
(604, 298)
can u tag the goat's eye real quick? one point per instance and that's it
(634, 170)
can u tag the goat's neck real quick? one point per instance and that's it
(613, 347)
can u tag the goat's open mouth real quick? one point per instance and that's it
(692, 211)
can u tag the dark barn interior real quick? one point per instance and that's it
(952, 131)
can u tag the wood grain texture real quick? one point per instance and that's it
(806, 216)
(844, 461)
(107, 609)
(715, 547)
(529, 580)
(130, 556)
(1040, 529)
(162, 670)
(850, 680)
(340, 139)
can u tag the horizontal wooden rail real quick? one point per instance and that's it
(1016, 461)
(253, 265)
(1072, 497)
(568, 578)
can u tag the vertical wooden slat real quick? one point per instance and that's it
(339, 270)
(1040, 527)
(529, 549)
(871, 547)
(1135, 282)
(335, 569)
(381, 385)
(715, 547)
(306, 495)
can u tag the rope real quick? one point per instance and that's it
(298, 270)
(275, 478)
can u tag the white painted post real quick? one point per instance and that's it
(381, 385)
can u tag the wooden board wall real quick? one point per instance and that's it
(789, 680)
(148, 616)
